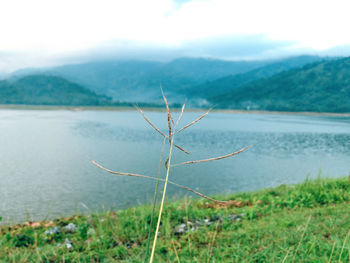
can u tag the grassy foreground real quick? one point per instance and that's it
(309, 222)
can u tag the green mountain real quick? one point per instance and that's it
(194, 79)
(118, 79)
(140, 80)
(319, 87)
(47, 90)
(226, 84)
(181, 78)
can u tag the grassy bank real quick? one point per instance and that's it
(309, 222)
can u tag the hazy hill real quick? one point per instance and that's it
(118, 79)
(140, 80)
(194, 79)
(180, 78)
(226, 84)
(47, 90)
(321, 87)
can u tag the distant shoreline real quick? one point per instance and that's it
(156, 109)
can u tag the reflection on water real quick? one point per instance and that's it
(46, 170)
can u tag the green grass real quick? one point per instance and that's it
(309, 222)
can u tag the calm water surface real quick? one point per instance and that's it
(45, 168)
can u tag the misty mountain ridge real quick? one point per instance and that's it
(140, 80)
(48, 90)
(294, 84)
(132, 80)
(223, 85)
(318, 87)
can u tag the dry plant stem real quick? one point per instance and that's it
(215, 158)
(180, 117)
(311, 247)
(177, 256)
(162, 202)
(170, 118)
(161, 180)
(342, 249)
(170, 138)
(285, 258)
(154, 202)
(169, 126)
(167, 106)
(37, 248)
(196, 120)
(188, 226)
(211, 245)
(198, 193)
(149, 122)
(302, 237)
(119, 173)
(182, 149)
(330, 257)
(156, 129)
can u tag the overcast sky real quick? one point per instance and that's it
(49, 32)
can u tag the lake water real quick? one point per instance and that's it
(45, 168)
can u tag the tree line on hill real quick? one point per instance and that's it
(304, 83)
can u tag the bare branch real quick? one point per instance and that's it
(119, 173)
(197, 193)
(149, 122)
(190, 124)
(182, 112)
(167, 106)
(154, 178)
(215, 158)
(182, 149)
(155, 128)
(170, 118)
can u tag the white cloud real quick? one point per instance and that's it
(68, 25)
(313, 23)
(61, 27)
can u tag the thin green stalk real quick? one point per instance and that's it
(162, 202)
(154, 202)
(177, 256)
(302, 237)
(285, 258)
(188, 226)
(330, 257)
(211, 245)
(342, 249)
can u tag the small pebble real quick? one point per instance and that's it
(71, 228)
(189, 226)
(91, 232)
(68, 243)
(52, 231)
(180, 229)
